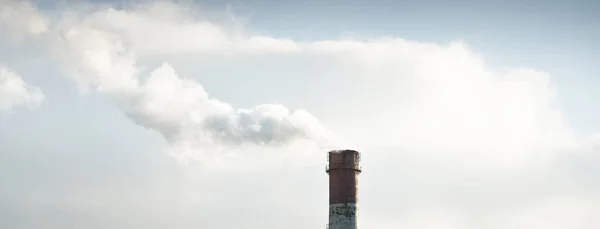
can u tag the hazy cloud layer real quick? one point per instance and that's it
(448, 141)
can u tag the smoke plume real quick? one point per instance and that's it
(194, 124)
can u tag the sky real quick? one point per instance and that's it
(219, 114)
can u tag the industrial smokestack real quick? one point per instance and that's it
(343, 169)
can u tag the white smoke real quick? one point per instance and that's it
(14, 91)
(439, 102)
(194, 124)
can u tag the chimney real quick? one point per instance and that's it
(343, 168)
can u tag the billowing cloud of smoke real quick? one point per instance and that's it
(194, 124)
(16, 92)
(439, 101)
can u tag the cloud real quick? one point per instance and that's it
(15, 92)
(446, 105)
(182, 30)
(21, 18)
